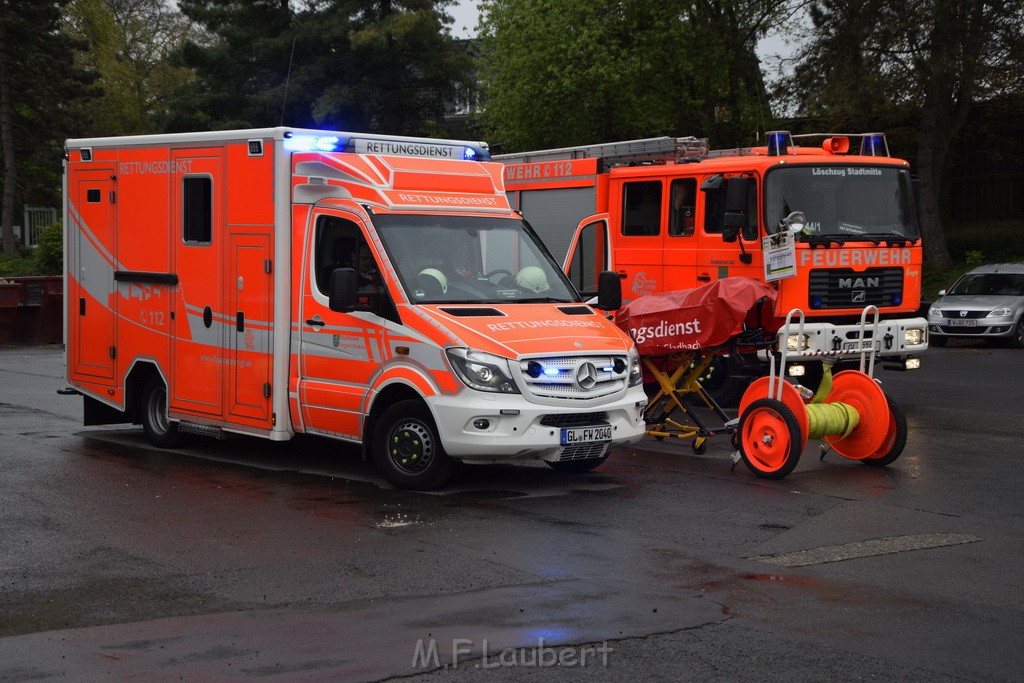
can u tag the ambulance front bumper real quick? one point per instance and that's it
(480, 427)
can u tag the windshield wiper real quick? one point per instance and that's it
(543, 300)
(824, 241)
(891, 239)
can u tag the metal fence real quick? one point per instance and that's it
(36, 218)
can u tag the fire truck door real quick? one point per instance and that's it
(249, 295)
(640, 241)
(92, 306)
(200, 323)
(339, 352)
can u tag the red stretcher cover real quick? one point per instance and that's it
(691, 319)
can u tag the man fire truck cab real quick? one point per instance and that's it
(833, 231)
(279, 281)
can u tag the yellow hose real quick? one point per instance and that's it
(831, 419)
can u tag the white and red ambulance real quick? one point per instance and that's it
(366, 288)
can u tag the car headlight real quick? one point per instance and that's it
(636, 375)
(1004, 312)
(482, 371)
(934, 312)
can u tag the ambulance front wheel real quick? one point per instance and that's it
(160, 431)
(407, 449)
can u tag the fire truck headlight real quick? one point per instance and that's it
(797, 342)
(1001, 313)
(636, 375)
(915, 336)
(482, 371)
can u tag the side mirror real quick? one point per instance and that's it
(609, 291)
(342, 297)
(731, 232)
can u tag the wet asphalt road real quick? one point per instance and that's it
(247, 559)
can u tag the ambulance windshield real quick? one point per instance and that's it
(843, 203)
(471, 259)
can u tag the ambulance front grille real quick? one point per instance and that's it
(583, 451)
(574, 377)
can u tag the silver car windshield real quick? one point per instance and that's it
(471, 259)
(872, 203)
(989, 284)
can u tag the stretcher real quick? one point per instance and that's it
(680, 335)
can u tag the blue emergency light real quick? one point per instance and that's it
(874, 145)
(779, 142)
(312, 143)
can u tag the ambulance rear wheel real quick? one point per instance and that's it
(159, 429)
(577, 466)
(407, 448)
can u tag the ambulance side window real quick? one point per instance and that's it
(641, 208)
(337, 245)
(197, 210)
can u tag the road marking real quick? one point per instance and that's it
(877, 546)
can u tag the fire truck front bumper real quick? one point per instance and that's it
(478, 427)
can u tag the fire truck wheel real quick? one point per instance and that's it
(770, 441)
(895, 438)
(160, 431)
(578, 466)
(407, 448)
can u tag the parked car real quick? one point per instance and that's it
(986, 303)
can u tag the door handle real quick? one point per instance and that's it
(315, 322)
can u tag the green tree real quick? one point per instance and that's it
(130, 42)
(917, 63)
(41, 93)
(386, 66)
(565, 72)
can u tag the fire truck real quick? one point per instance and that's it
(830, 224)
(283, 281)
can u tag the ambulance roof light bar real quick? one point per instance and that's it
(316, 141)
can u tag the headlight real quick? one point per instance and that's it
(797, 342)
(934, 312)
(482, 371)
(915, 336)
(636, 375)
(1004, 312)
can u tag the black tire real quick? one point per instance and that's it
(937, 342)
(722, 383)
(161, 431)
(895, 446)
(578, 466)
(787, 455)
(1016, 340)
(407, 448)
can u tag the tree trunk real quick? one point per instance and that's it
(932, 147)
(7, 147)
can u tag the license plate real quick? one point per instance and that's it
(862, 346)
(962, 323)
(586, 435)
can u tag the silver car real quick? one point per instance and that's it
(986, 303)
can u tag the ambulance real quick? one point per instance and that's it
(370, 289)
(828, 220)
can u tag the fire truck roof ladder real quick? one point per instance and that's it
(619, 153)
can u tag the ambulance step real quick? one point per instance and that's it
(202, 430)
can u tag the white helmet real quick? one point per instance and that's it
(533, 279)
(431, 279)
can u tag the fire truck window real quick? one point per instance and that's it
(714, 211)
(197, 210)
(589, 257)
(641, 208)
(683, 195)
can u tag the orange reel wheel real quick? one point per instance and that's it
(761, 388)
(770, 438)
(863, 394)
(895, 437)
